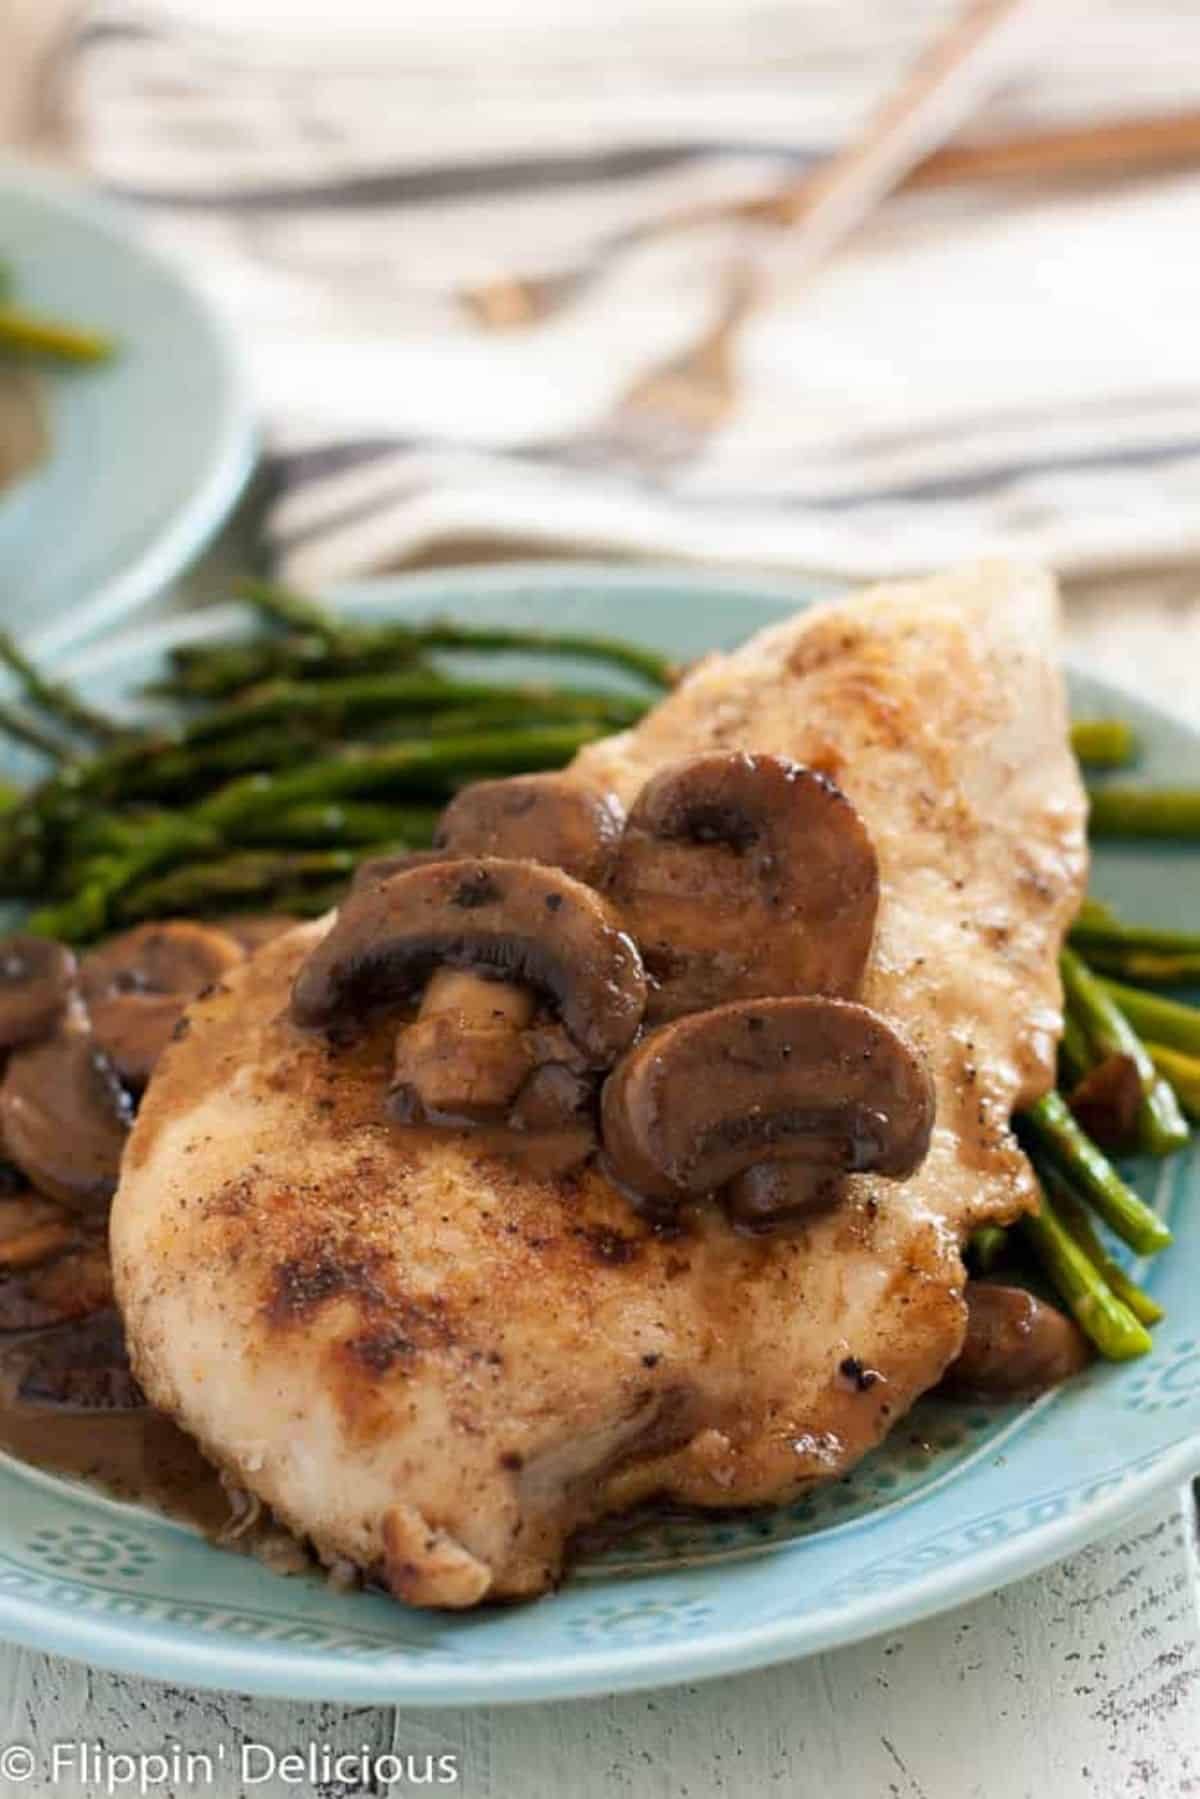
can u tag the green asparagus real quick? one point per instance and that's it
(1144, 811)
(1102, 1317)
(1104, 742)
(1157, 1019)
(1074, 1215)
(1089, 1170)
(25, 730)
(1161, 1125)
(1183, 1073)
(32, 335)
(56, 698)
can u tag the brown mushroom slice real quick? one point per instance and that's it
(31, 1230)
(64, 1118)
(465, 1056)
(824, 1083)
(72, 1286)
(774, 1193)
(1016, 1345)
(551, 818)
(35, 983)
(742, 876)
(137, 986)
(382, 868)
(1107, 1100)
(516, 923)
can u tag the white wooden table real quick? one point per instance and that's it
(1082, 1683)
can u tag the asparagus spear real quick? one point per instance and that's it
(335, 705)
(325, 645)
(1053, 1127)
(1102, 1317)
(294, 611)
(1090, 934)
(282, 880)
(55, 697)
(1156, 967)
(1162, 1127)
(23, 729)
(1074, 1215)
(1075, 1056)
(345, 825)
(33, 335)
(1156, 1019)
(1104, 742)
(1140, 952)
(1183, 1072)
(407, 768)
(1144, 811)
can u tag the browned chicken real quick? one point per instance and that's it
(440, 1362)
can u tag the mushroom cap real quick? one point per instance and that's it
(1015, 1344)
(137, 985)
(64, 1119)
(382, 868)
(512, 921)
(35, 982)
(551, 818)
(742, 876)
(823, 1082)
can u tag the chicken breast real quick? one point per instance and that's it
(439, 1363)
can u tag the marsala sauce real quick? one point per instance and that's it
(136, 1454)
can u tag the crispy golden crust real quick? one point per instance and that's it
(434, 1362)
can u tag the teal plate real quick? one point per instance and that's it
(958, 1501)
(147, 453)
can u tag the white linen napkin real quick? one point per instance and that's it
(989, 370)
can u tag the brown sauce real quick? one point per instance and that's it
(133, 1453)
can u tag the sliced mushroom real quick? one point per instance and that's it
(74, 1285)
(137, 986)
(32, 1230)
(35, 983)
(775, 1193)
(514, 923)
(64, 1118)
(1016, 1345)
(1106, 1101)
(824, 1083)
(382, 868)
(551, 818)
(465, 1056)
(468, 1054)
(744, 876)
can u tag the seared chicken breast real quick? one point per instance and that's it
(439, 1362)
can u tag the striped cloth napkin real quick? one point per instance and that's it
(982, 371)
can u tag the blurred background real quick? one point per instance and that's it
(516, 277)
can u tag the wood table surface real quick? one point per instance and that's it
(1081, 1683)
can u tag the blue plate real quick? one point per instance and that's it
(960, 1500)
(147, 453)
